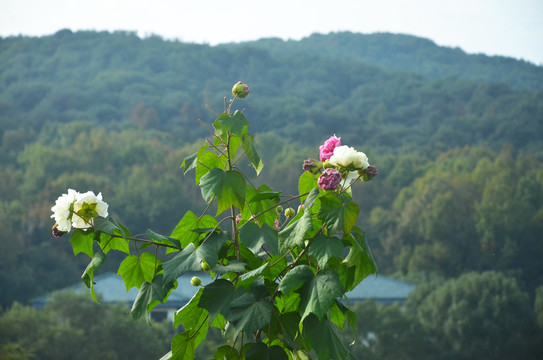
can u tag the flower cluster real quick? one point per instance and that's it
(339, 162)
(77, 210)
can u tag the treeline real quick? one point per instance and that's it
(412, 54)
(117, 79)
(459, 153)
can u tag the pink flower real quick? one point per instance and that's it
(327, 150)
(330, 179)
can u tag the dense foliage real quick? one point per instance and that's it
(456, 137)
(74, 327)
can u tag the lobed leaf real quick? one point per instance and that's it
(324, 339)
(319, 293)
(338, 212)
(150, 294)
(323, 248)
(184, 231)
(294, 234)
(190, 258)
(360, 258)
(135, 270)
(82, 242)
(228, 187)
(254, 237)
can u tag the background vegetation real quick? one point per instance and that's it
(457, 206)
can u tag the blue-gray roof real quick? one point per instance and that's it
(381, 289)
(110, 287)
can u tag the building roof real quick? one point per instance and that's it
(110, 287)
(381, 289)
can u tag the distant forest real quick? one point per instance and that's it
(457, 139)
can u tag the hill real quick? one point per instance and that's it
(114, 113)
(118, 79)
(413, 54)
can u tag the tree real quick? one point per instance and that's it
(477, 316)
(74, 327)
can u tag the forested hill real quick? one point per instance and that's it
(114, 113)
(414, 54)
(118, 79)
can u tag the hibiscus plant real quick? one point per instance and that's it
(278, 276)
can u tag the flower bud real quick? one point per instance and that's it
(290, 212)
(205, 266)
(311, 165)
(240, 90)
(368, 173)
(279, 209)
(195, 281)
(56, 232)
(329, 180)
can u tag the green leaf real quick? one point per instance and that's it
(296, 278)
(310, 200)
(82, 242)
(184, 231)
(360, 258)
(88, 275)
(227, 186)
(324, 248)
(264, 195)
(189, 163)
(324, 339)
(226, 352)
(206, 162)
(191, 257)
(254, 236)
(149, 296)
(306, 183)
(137, 269)
(338, 212)
(108, 242)
(248, 313)
(248, 146)
(183, 347)
(216, 297)
(258, 204)
(236, 124)
(339, 313)
(260, 351)
(107, 226)
(254, 273)
(319, 293)
(288, 303)
(193, 318)
(232, 266)
(294, 234)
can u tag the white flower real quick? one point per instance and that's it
(345, 156)
(62, 211)
(86, 207)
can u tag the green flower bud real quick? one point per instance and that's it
(205, 266)
(279, 209)
(195, 281)
(240, 90)
(290, 212)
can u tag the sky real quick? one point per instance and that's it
(512, 28)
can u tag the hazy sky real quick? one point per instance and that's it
(494, 27)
